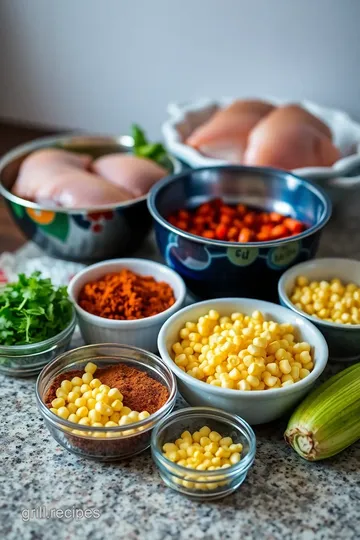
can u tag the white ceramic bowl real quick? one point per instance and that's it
(258, 406)
(140, 333)
(340, 179)
(343, 340)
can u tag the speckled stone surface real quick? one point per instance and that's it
(283, 496)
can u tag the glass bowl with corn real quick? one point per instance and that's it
(89, 430)
(203, 452)
(248, 357)
(327, 292)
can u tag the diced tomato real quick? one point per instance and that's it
(279, 231)
(245, 235)
(293, 225)
(275, 217)
(221, 232)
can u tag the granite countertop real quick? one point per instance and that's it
(283, 497)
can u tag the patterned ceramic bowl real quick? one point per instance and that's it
(213, 268)
(87, 234)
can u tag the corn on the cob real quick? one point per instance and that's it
(328, 420)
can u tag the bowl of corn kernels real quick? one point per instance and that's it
(327, 292)
(203, 452)
(247, 357)
(98, 421)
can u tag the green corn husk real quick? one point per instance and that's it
(328, 420)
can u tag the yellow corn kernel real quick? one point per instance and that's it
(87, 395)
(87, 378)
(103, 408)
(115, 417)
(295, 372)
(95, 383)
(117, 405)
(53, 410)
(57, 403)
(305, 357)
(103, 397)
(80, 402)
(82, 412)
(66, 386)
(94, 416)
(284, 366)
(304, 373)
(114, 394)
(76, 381)
(235, 458)
(186, 436)
(63, 413)
(253, 381)
(84, 421)
(244, 385)
(72, 397)
(269, 379)
(60, 393)
(71, 407)
(226, 441)
(73, 418)
(90, 368)
(90, 403)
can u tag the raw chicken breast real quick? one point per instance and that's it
(290, 138)
(41, 166)
(80, 189)
(225, 135)
(132, 173)
(59, 178)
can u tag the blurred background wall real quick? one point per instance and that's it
(102, 64)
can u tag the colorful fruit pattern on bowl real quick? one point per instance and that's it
(85, 236)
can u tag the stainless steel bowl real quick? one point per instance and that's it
(214, 268)
(87, 234)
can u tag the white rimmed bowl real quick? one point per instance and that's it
(256, 407)
(139, 333)
(343, 340)
(340, 180)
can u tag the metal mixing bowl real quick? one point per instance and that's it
(213, 268)
(87, 234)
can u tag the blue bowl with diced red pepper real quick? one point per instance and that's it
(243, 266)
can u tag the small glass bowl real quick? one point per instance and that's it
(111, 443)
(29, 360)
(203, 484)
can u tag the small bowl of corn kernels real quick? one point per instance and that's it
(247, 357)
(327, 292)
(202, 452)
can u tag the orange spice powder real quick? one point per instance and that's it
(126, 295)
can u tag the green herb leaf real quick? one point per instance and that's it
(32, 310)
(143, 148)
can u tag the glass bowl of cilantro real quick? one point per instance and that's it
(37, 321)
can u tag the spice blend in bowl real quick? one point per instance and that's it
(126, 295)
(130, 388)
(131, 302)
(136, 391)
